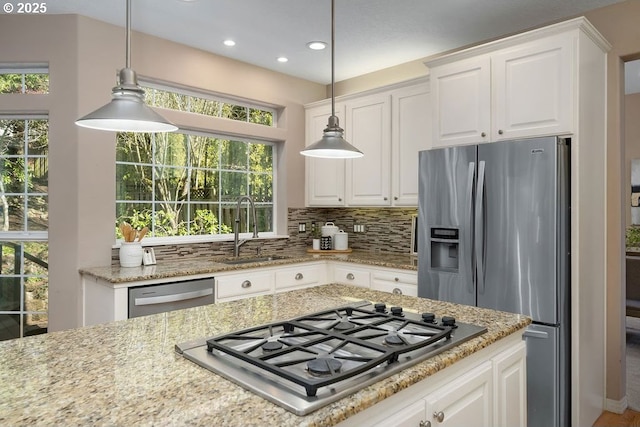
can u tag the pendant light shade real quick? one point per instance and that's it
(127, 111)
(332, 145)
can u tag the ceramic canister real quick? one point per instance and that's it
(341, 241)
(130, 254)
(329, 229)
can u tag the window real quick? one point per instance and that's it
(24, 145)
(209, 106)
(33, 79)
(187, 183)
(184, 184)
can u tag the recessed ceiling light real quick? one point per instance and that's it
(283, 59)
(316, 45)
(229, 42)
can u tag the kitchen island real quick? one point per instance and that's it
(127, 372)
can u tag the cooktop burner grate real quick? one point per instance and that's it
(328, 347)
(308, 362)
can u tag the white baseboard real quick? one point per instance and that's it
(616, 406)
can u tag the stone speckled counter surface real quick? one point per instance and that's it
(190, 267)
(127, 373)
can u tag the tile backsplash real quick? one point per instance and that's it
(385, 230)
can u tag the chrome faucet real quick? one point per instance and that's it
(236, 233)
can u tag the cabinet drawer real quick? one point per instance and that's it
(243, 285)
(395, 288)
(300, 276)
(351, 276)
(395, 282)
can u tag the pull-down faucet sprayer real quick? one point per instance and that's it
(236, 233)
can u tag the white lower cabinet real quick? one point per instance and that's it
(395, 281)
(465, 401)
(348, 274)
(300, 276)
(249, 283)
(487, 389)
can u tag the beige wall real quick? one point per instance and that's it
(631, 143)
(84, 56)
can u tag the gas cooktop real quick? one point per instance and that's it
(308, 362)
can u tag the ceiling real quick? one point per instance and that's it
(369, 35)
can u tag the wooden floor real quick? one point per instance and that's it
(609, 419)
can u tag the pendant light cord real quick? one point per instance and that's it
(333, 30)
(128, 35)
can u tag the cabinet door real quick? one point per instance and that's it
(325, 177)
(511, 387)
(466, 401)
(411, 133)
(461, 102)
(368, 127)
(410, 416)
(532, 89)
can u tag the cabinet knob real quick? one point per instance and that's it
(246, 284)
(339, 199)
(500, 132)
(299, 276)
(397, 291)
(395, 198)
(386, 198)
(439, 416)
(396, 279)
(483, 134)
(350, 276)
(424, 423)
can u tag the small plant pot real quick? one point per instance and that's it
(130, 254)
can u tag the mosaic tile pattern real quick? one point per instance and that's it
(386, 230)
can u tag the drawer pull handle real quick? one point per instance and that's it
(299, 276)
(246, 284)
(439, 416)
(350, 276)
(397, 291)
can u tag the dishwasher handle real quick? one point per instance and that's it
(162, 299)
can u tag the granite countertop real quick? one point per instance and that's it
(127, 372)
(191, 267)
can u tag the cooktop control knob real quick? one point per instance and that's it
(428, 317)
(380, 307)
(348, 311)
(397, 311)
(288, 328)
(448, 321)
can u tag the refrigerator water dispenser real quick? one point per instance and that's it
(444, 249)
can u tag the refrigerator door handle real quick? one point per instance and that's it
(470, 176)
(479, 228)
(529, 333)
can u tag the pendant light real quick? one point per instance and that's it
(127, 111)
(332, 145)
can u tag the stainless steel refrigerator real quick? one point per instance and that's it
(493, 231)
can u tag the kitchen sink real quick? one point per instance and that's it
(250, 260)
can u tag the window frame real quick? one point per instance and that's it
(216, 133)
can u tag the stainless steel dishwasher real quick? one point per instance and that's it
(152, 299)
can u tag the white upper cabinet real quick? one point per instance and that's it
(389, 125)
(368, 128)
(520, 89)
(461, 102)
(410, 133)
(533, 88)
(325, 177)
